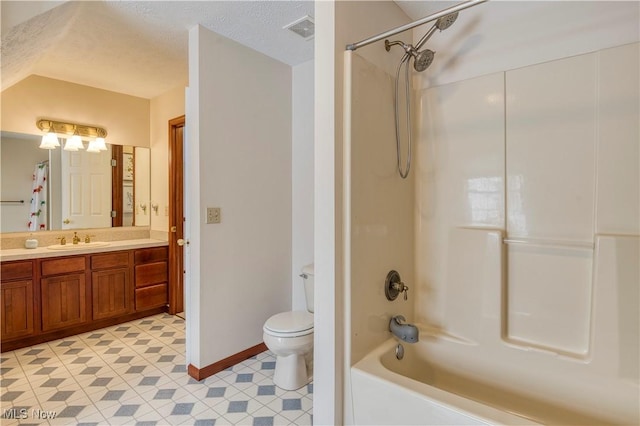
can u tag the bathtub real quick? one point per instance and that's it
(430, 387)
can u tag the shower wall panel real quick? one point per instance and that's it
(551, 143)
(382, 232)
(560, 297)
(551, 121)
(460, 184)
(618, 183)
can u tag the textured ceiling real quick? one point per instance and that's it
(137, 47)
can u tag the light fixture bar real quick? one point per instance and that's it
(63, 128)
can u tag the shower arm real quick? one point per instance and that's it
(422, 41)
(432, 17)
(426, 37)
(408, 49)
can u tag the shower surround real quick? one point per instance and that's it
(517, 230)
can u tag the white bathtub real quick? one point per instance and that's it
(428, 388)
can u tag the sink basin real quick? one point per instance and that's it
(78, 246)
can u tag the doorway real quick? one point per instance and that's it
(176, 215)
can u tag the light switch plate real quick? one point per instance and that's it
(213, 215)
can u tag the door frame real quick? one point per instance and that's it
(117, 172)
(176, 214)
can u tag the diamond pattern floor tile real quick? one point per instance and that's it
(135, 373)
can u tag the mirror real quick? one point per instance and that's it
(71, 190)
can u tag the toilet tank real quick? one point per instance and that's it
(308, 275)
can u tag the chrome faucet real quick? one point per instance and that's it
(403, 331)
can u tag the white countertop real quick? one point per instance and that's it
(41, 252)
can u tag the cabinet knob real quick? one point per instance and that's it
(181, 242)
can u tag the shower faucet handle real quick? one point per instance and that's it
(393, 286)
(402, 288)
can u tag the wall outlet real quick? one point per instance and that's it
(213, 215)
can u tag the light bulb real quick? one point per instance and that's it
(101, 144)
(74, 143)
(92, 147)
(49, 141)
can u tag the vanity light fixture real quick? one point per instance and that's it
(74, 133)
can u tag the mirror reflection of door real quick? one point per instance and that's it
(86, 198)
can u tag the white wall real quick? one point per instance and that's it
(239, 144)
(301, 178)
(162, 109)
(327, 349)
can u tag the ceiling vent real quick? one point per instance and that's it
(304, 27)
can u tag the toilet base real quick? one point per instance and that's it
(290, 372)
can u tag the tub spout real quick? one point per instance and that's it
(405, 332)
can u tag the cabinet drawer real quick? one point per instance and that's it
(63, 266)
(16, 270)
(150, 255)
(151, 273)
(151, 297)
(110, 260)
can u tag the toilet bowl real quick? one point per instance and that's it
(289, 335)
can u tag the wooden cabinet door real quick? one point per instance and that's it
(16, 304)
(111, 291)
(64, 301)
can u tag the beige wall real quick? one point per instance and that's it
(239, 157)
(302, 179)
(126, 118)
(337, 24)
(381, 210)
(163, 108)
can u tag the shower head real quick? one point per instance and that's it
(422, 60)
(441, 24)
(446, 21)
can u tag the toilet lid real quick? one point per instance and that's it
(290, 322)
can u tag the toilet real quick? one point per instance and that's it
(289, 335)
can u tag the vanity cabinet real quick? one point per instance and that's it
(50, 298)
(111, 289)
(63, 291)
(16, 299)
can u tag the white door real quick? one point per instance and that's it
(86, 196)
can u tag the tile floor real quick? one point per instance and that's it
(135, 374)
